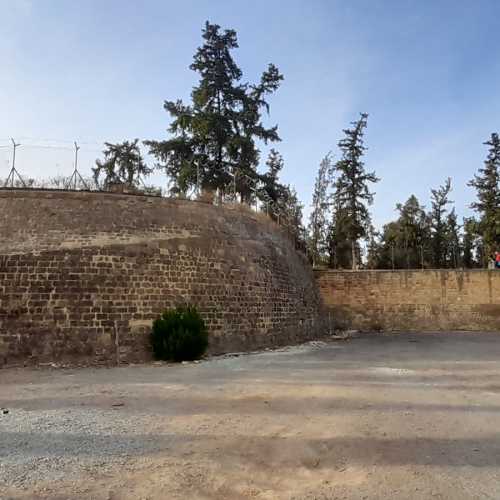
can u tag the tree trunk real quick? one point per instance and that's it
(354, 263)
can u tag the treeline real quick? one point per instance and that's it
(341, 234)
(211, 151)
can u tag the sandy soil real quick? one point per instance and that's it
(378, 417)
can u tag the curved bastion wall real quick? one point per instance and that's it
(83, 275)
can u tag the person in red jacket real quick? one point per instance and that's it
(497, 260)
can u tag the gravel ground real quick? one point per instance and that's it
(377, 417)
(52, 444)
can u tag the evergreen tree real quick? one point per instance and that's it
(339, 245)
(352, 193)
(321, 202)
(487, 185)
(290, 210)
(213, 139)
(469, 242)
(439, 201)
(122, 164)
(403, 242)
(391, 254)
(271, 191)
(412, 232)
(453, 245)
(373, 249)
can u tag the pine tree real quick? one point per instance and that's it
(321, 203)
(453, 245)
(391, 254)
(352, 193)
(487, 185)
(123, 164)
(437, 216)
(213, 139)
(271, 192)
(403, 242)
(339, 245)
(469, 242)
(290, 210)
(373, 249)
(412, 232)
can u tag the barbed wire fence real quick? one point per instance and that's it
(18, 178)
(259, 202)
(399, 257)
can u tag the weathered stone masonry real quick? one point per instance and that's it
(412, 300)
(82, 275)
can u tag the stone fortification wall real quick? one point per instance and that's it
(82, 275)
(412, 300)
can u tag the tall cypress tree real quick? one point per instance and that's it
(212, 140)
(321, 202)
(469, 242)
(487, 185)
(437, 216)
(352, 192)
(453, 244)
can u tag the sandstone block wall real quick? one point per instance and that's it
(412, 300)
(82, 276)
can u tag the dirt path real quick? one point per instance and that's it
(385, 417)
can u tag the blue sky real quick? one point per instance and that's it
(427, 72)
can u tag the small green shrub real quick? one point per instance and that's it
(179, 334)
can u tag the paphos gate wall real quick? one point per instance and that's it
(83, 275)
